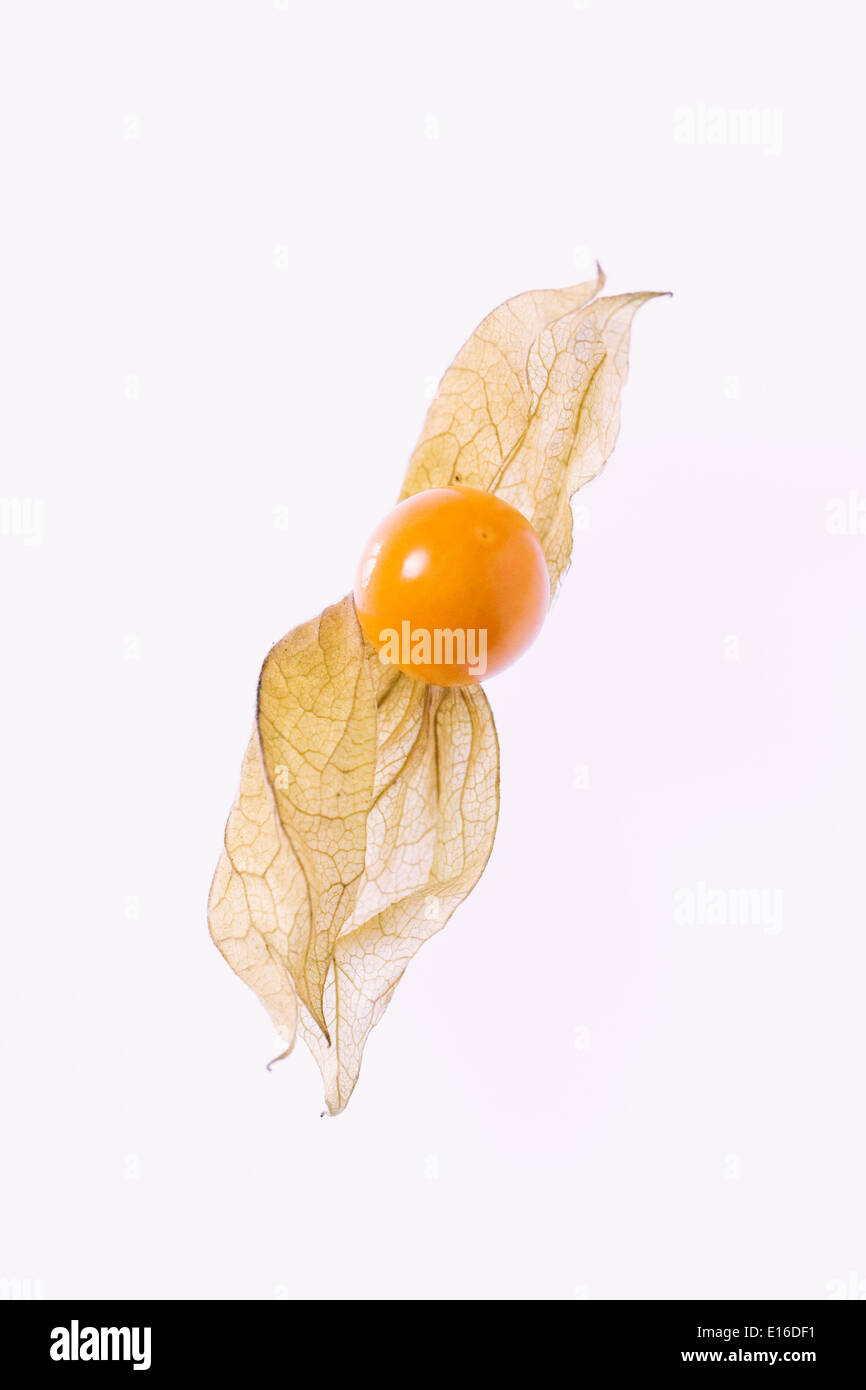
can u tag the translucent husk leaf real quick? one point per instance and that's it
(366, 814)
(258, 896)
(317, 728)
(530, 407)
(430, 834)
(368, 800)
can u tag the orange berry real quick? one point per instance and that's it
(452, 586)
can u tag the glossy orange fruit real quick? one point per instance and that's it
(452, 586)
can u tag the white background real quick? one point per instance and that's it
(240, 243)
